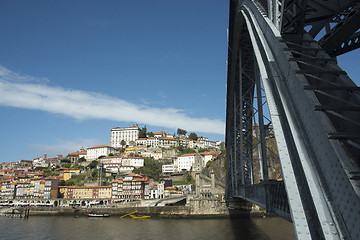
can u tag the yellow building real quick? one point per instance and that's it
(75, 192)
(105, 192)
(67, 174)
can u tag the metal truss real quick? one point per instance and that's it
(314, 108)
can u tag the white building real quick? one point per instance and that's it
(209, 156)
(185, 161)
(137, 162)
(41, 162)
(155, 142)
(167, 142)
(128, 134)
(111, 159)
(204, 142)
(97, 151)
(168, 168)
(117, 168)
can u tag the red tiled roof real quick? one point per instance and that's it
(112, 157)
(188, 154)
(166, 138)
(210, 153)
(77, 153)
(100, 146)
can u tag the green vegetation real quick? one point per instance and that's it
(142, 133)
(49, 173)
(123, 143)
(76, 180)
(184, 150)
(193, 136)
(203, 150)
(65, 160)
(93, 164)
(181, 131)
(82, 159)
(189, 179)
(151, 169)
(66, 165)
(94, 175)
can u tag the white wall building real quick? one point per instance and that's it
(111, 159)
(128, 134)
(117, 168)
(168, 168)
(205, 143)
(97, 151)
(185, 161)
(209, 156)
(133, 161)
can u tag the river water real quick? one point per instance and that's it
(67, 227)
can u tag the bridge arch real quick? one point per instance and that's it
(300, 81)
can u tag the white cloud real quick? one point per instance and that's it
(17, 91)
(63, 147)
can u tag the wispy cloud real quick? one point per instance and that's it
(22, 91)
(63, 147)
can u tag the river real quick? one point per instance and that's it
(66, 227)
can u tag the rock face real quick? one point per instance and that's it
(274, 167)
(219, 168)
(218, 165)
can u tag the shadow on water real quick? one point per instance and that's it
(245, 226)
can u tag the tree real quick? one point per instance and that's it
(65, 160)
(151, 168)
(82, 159)
(142, 133)
(123, 143)
(181, 131)
(93, 164)
(150, 134)
(193, 136)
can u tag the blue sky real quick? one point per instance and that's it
(72, 70)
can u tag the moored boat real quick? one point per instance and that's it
(139, 217)
(97, 214)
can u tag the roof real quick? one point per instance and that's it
(100, 146)
(133, 175)
(188, 154)
(210, 153)
(78, 187)
(77, 153)
(167, 138)
(112, 157)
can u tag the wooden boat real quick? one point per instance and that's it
(97, 214)
(139, 217)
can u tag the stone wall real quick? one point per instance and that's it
(207, 206)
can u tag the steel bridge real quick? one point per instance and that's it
(284, 85)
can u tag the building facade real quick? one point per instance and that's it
(127, 134)
(94, 152)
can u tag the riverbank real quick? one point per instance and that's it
(176, 212)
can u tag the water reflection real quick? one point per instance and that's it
(116, 228)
